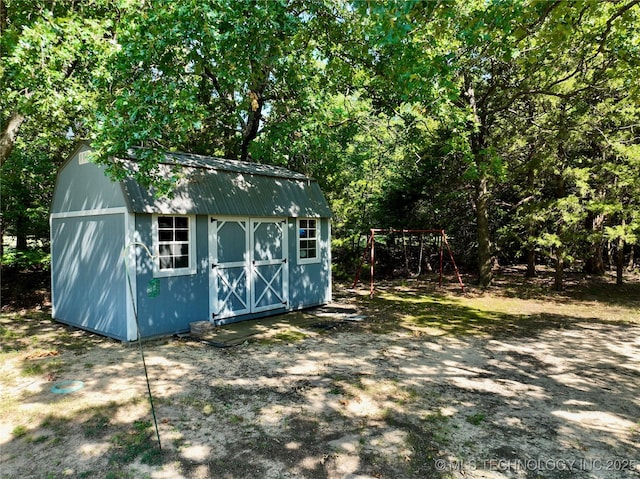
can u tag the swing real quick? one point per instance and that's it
(408, 253)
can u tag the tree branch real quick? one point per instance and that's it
(529, 28)
(609, 24)
(9, 134)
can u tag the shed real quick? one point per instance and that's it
(236, 241)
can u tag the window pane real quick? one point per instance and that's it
(165, 221)
(307, 242)
(165, 235)
(166, 262)
(182, 262)
(182, 235)
(173, 242)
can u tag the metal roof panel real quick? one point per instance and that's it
(211, 186)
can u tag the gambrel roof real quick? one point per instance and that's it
(227, 187)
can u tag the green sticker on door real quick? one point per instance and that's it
(153, 288)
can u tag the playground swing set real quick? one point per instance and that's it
(408, 239)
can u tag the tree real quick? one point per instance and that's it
(208, 77)
(50, 54)
(476, 65)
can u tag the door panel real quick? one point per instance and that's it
(268, 291)
(230, 267)
(269, 271)
(249, 271)
(267, 240)
(232, 291)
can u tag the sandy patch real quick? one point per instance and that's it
(340, 404)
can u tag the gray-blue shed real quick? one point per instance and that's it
(236, 241)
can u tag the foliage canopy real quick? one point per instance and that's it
(512, 124)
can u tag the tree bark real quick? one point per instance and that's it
(9, 134)
(531, 262)
(620, 262)
(559, 272)
(251, 128)
(485, 276)
(560, 250)
(595, 261)
(620, 258)
(531, 228)
(3, 17)
(1, 238)
(254, 112)
(484, 239)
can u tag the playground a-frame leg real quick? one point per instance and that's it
(370, 251)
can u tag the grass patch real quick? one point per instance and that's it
(19, 431)
(475, 419)
(133, 443)
(97, 425)
(496, 312)
(32, 369)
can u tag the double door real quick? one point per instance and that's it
(249, 271)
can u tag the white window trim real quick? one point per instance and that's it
(164, 273)
(308, 260)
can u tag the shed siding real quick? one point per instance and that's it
(85, 187)
(310, 284)
(87, 273)
(182, 299)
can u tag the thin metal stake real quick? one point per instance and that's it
(135, 315)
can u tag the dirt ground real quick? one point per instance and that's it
(558, 398)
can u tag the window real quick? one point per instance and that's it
(174, 237)
(83, 157)
(308, 241)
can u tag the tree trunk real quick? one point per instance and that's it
(1, 238)
(595, 261)
(620, 262)
(251, 128)
(631, 263)
(484, 238)
(531, 229)
(559, 273)
(531, 262)
(9, 134)
(478, 145)
(3, 17)
(254, 112)
(620, 258)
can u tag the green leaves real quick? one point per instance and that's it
(512, 120)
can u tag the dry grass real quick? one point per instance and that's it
(430, 374)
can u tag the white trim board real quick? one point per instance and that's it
(98, 212)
